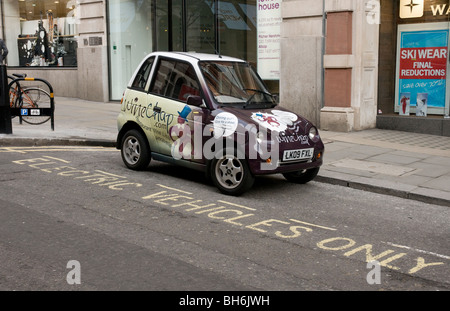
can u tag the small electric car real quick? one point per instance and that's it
(213, 113)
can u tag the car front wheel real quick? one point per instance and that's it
(230, 174)
(135, 150)
(302, 177)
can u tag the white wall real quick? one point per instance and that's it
(12, 19)
(131, 35)
(301, 57)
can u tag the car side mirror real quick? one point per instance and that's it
(276, 98)
(194, 100)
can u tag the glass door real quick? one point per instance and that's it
(130, 39)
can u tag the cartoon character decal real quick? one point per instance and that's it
(277, 121)
(180, 133)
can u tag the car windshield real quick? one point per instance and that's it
(235, 83)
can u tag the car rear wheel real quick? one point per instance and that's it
(230, 174)
(135, 150)
(302, 177)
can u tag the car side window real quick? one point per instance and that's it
(176, 80)
(142, 76)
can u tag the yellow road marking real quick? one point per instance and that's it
(162, 186)
(313, 225)
(237, 205)
(54, 149)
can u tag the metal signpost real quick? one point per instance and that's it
(5, 113)
(24, 105)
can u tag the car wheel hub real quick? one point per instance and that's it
(229, 172)
(132, 150)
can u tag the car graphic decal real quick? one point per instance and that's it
(276, 121)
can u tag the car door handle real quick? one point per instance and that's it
(157, 109)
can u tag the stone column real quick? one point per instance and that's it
(351, 65)
(301, 57)
(92, 51)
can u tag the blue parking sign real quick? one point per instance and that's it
(24, 112)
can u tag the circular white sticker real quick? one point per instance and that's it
(225, 124)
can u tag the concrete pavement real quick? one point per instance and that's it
(409, 165)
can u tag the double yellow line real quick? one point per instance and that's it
(24, 150)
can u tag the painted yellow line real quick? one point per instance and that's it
(53, 158)
(418, 250)
(162, 186)
(54, 149)
(237, 205)
(110, 174)
(313, 225)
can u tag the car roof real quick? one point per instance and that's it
(191, 56)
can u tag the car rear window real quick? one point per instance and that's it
(142, 76)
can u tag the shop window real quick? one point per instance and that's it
(246, 29)
(130, 39)
(41, 33)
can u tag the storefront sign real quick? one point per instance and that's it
(422, 67)
(411, 8)
(421, 10)
(269, 27)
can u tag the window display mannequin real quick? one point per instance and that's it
(3, 51)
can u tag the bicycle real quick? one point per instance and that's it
(31, 98)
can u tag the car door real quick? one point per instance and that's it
(136, 100)
(174, 122)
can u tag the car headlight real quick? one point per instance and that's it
(313, 134)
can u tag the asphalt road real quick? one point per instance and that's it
(75, 218)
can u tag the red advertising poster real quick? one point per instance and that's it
(422, 56)
(423, 63)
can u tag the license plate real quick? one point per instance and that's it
(300, 154)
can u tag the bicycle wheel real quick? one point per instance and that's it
(35, 98)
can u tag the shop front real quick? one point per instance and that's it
(333, 61)
(246, 29)
(42, 40)
(89, 49)
(414, 86)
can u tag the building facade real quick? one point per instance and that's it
(344, 64)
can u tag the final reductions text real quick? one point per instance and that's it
(423, 63)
